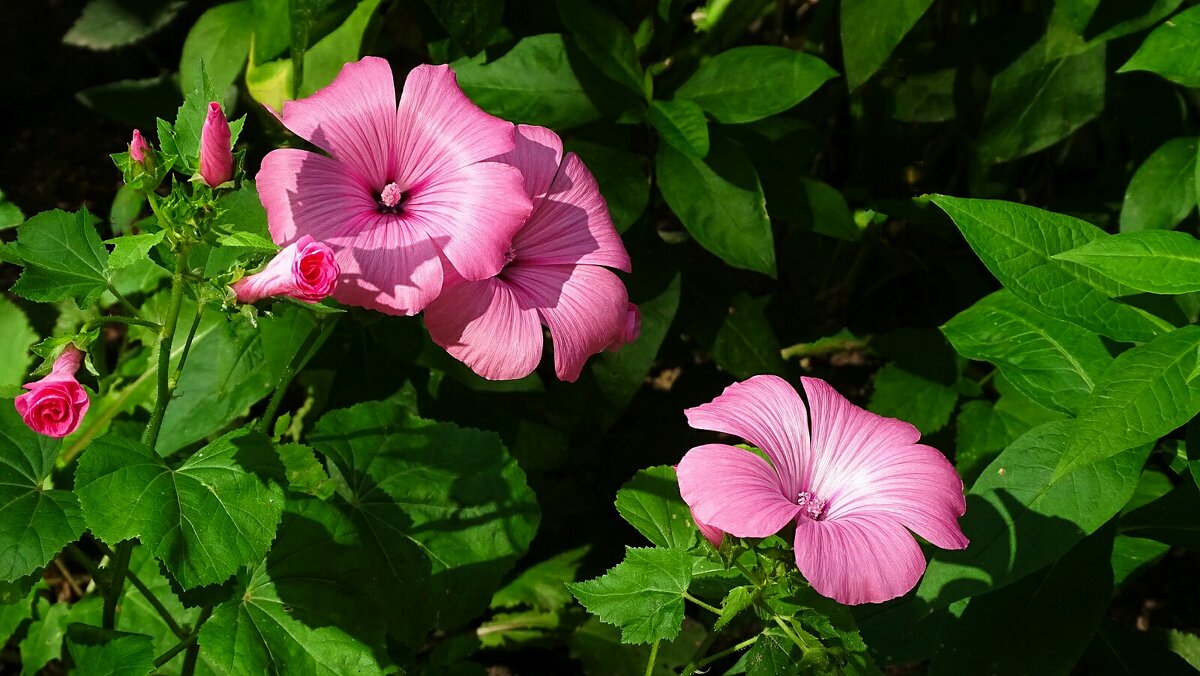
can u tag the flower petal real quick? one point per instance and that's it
(584, 306)
(734, 490)
(538, 154)
(386, 266)
(867, 464)
(309, 194)
(353, 119)
(482, 325)
(767, 412)
(858, 559)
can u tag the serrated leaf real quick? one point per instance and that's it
(15, 338)
(180, 142)
(1171, 50)
(650, 503)
(773, 654)
(912, 398)
(304, 472)
(206, 519)
(605, 41)
(43, 641)
(105, 652)
(1017, 244)
(1053, 362)
(303, 610)
(1163, 189)
(720, 202)
(682, 124)
(737, 600)
(544, 584)
(1160, 262)
(248, 240)
(131, 249)
(63, 258)
(871, 30)
(35, 522)
(106, 24)
(745, 84)
(10, 214)
(643, 595)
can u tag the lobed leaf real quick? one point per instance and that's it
(643, 595)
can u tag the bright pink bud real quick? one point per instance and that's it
(216, 157)
(630, 331)
(305, 270)
(56, 404)
(138, 148)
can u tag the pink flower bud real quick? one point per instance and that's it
(56, 404)
(630, 331)
(216, 157)
(305, 270)
(138, 148)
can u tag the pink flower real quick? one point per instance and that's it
(305, 270)
(853, 484)
(553, 276)
(216, 156)
(138, 148)
(56, 404)
(402, 190)
(631, 330)
(712, 534)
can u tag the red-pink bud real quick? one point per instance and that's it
(55, 405)
(138, 148)
(305, 270)
(216, 156)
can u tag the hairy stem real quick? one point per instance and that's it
(653, 658)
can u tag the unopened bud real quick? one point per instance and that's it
(216, 156)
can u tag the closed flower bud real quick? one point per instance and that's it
(55, 405)
(216, 156)
(305, 270)
(139, 150)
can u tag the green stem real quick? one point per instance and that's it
(120, 319)
(712, 609)
(187, 344)
(124, 302)
(701, 651)
(653, 658)
(157, 605)
(185, 644)
(84, 560)
(193, 650)
(166, 337)
(120, 566)
(749, 575)
(787, 629)
(316, 337)
(728, 651)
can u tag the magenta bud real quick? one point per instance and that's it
(139, 150)
(216, 157)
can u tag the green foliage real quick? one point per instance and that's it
(18, 336)
(1152, 262)
(745, 84)
(101, 652)
(1170, 50)
(108, 24)
(643, 595)
(605, 42)
(650, 502)
(746, 344)
(682, 124)
(63, 258)
(1163, 191)
(901, 394)
(871, 30)
(471, 24)
(220, 39)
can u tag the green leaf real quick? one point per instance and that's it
(745, 84)
(1152, 261)
(532, 83)
(827, 212)
(304, 472)
(130, 249)
(1169, 519)
(470, 23)
(598, 646)
(643, 595)
(105, 652)
(43, 641)
(682, 124)
(214, 514)
(720, 202)
(871, 31)
(620, 374)
(1021, 515)
(1053, 362)
(624, 179)
(926, 97)
(1017, 244)
(746, 344)
(605, 41)
(542, 585)
(901, 394)
(1148, 391)
(180, 142)
(446, 509)
(773, 654)
(303, 609)
(1172, 50)
(980, 432)
(1117, 651)
(63, 258)
(35, 522)
(220, 39)
(1132, 556)
(1043, 622)
(737, 600)
(16, 336)
(650, 503)
(10, 214)
(106, 24)
(1163, 190)
(1038, 101)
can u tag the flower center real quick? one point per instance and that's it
(811, 505)
(510, 255)
(390, 198)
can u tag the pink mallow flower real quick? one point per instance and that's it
(402, 187)
(553, 276)
(55, 405)
(216, 154)
(631, 331)
(854, 484)
(138, 148)
(305, 270)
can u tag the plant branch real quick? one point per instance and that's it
(124, 302)
(710, 608)
(187, 344)
(120, 319)
(653, 657)
(166, 337)
(120, 566)
(193, 650)
(728, 651)
(157, 605)
(186, 643)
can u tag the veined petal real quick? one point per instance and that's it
(858, 559)
(309, 194)
(387, 266)
(767, 412)
(584, 306)
(866, 464)
(538, 154)
(735, 491)
(353, 119)
(440, 129)
(482, 325)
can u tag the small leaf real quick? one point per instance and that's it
(1152, 261)
(104, 652)
(643, 595)
(737, 600)
(1172, 50)
(220, 39)
(10, 214)
(746, 344)
(682, 124)
(745, 84)
(106, 24)
(773, 654)
(871, 31)
(544, 584)
(650, 502)
(1163, 189)
(130, 249)
(304, 472)
(63, 258)
(912, 398)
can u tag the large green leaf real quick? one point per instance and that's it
(1172, 50)
(871, 31)
(107, 24)
(746, 344)
(643, 595)
(1017, 243)
(35, 521)
(606, 42)
(15, 338)
(650, 502)
(1053, 362)
(305, 609)
(63, 258)
(682, 124)
(913, 398)
(532, 83)
(446, 509)
(1153, 261)
(470, 23)
(720, 202)
(43, 639)
(104, 652)
(744, 84)
(206, 519)
(1163, 189)
(220, 39)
